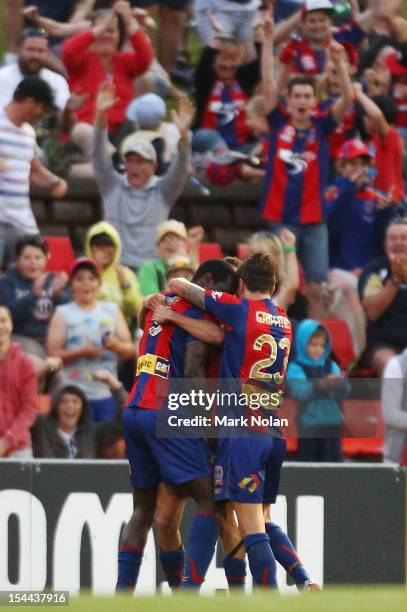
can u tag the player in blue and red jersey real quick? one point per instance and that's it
(178, 462)
(281, 545)
(298, 165)
(256, 348)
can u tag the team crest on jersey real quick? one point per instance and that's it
(216, 294)
(169, 301)
(155, 329)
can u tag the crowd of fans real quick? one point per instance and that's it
(308, 99)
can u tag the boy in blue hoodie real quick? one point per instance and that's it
(317, 384)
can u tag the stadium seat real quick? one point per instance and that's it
(363, 418)
(352, 447)
(292, 444)
(342, 344)
(242, 251)
(209, 250)
(61, 253)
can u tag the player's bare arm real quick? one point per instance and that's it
(337, 53)
(191, 292)
(206, 331)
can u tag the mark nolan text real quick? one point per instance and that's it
(253, 420)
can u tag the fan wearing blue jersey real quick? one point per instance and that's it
(256, 347)
(298, 165)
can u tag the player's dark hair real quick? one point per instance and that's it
(301, 79)
(102, 239)
(34, 241)
(258, 273)
(235, 262)
(220, 271)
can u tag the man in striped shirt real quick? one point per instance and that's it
(19, 163)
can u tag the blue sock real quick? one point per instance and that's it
(285, 553)
(200, 550)
(130, 559)
(261, 559)
(235, 570)
(173, 562)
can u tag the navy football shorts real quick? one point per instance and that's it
(169, 460)
(248, 469)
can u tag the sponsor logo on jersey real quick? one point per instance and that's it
(152, 364)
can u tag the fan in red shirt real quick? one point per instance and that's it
(93, 57)
(387, 144)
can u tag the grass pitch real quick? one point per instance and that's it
(344, 599)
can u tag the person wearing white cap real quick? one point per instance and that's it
(139, 201)
(171, 241)
(308, 54)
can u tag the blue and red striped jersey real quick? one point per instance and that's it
(257, 337)
(297, 170)
(161, 356)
